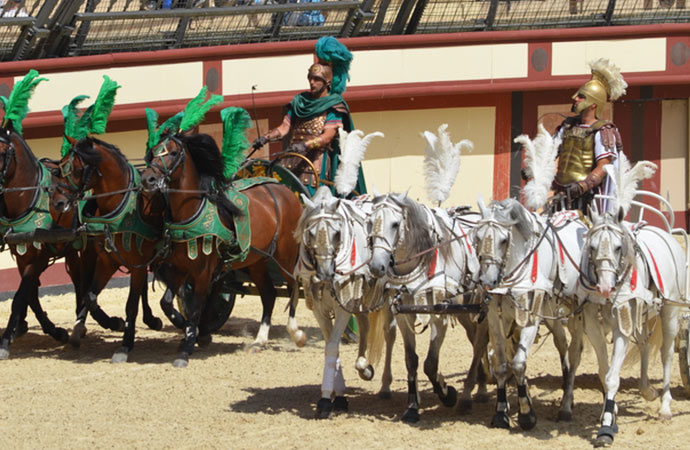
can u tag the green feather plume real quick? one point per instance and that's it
(17, 106)
(235, 143)
(197, 108)
(74, 126)
(103, 105)
(152, 127)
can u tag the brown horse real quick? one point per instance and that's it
(188, 169)
(121, 232)
(24, 185)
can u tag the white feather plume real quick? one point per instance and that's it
(626, 180)
(353, 145)
(612, 73)
(540, 165)
(442, 162)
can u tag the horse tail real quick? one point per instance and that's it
(376, 335)
(654, 340)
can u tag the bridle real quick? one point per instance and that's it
(160, 151)
(7, 157)
(486, 248)
(620, 266)
(377, 238)
(76, 191)
(322, 249)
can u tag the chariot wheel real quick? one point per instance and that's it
(218, 308)
(683, 346)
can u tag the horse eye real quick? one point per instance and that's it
(395, 225)
(617, 249)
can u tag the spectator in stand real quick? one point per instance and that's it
(12, 8)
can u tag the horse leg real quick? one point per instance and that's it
(137, 285)
(669, 322)
(389, 338)
(596, 337)
(200, 285)
(526, 415)
(33, 271)
(333, 381)
(406, 325)
(575, 326)
(259, 275)
(298, 336)
(608, 416)
(643, 345)
(446, 393)
(499, 363)
(324, 406)
(17, 314)
(478, 335)
(153, 322)
(365, 370)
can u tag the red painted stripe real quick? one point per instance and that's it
(353, 253)
(535, 266)
(633, 279)
(54, 275)
(560, 251)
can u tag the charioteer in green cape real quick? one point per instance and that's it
(314, 116)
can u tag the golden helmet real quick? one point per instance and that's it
(606, 82)
(323, 71)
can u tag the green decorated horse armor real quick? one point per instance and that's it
(37, 216)
(125, 220)
(207, 225)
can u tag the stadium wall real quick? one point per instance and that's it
(489, 87)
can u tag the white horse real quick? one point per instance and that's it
(427, 259)
(525, 270)
(636, 272)
(336, 280)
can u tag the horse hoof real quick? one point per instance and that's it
(605, 436)
(385, 395)
(481, 397)
(61, 335)
(564, 416)
(464, 406)
(500, 420)
(254, 348)
(155, 324)
(650, 394)
(367, 373)
(450, 398)
(78, 332)
(117, 324)
(182, 361)
(665, 416)
(204, 341)
(324, 408)
(527, 421)
(119, 357)
(22, 329)
(340, 404)
(411, 415)
(300, 338)
(4, 354)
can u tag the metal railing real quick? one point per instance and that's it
(55, 28)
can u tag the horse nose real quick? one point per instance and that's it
(60, 205)
(150, 182)
(605, 291)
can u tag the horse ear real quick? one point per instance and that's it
(621, 214)
(594, 215)
(307, 201)
(482, 207)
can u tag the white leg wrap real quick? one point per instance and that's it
(339, 379)
(329, 373)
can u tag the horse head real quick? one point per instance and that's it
(164, 163)
(386, 226)
(607, 254)
(75, 174)
(319, 232)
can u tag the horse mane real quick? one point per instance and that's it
(209, 164)
(511, 211)
(418, 229)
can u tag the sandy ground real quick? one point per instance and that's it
(57, 397)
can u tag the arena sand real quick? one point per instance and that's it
(53, 396)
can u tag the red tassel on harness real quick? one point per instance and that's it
(467, 241)
(432, 266)
(353, 254)
(633, 279)
(535, 266)
(560, 251)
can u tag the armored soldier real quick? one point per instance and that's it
(314, 116)
(588, 141)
